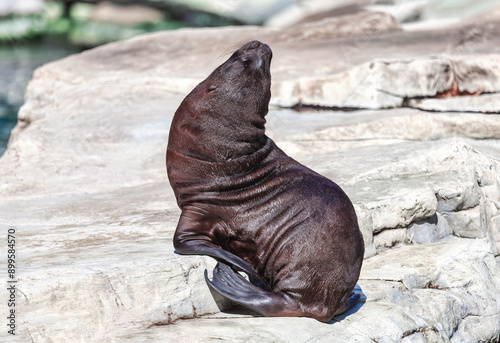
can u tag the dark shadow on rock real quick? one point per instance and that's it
(354, 309)
(238, 309)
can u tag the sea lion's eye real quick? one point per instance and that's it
(245, 64)
(212, 88)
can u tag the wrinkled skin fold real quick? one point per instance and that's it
(247, 204)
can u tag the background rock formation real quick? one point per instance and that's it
(415, 145)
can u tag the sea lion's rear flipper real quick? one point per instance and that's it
(235, 287)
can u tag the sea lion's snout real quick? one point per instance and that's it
(267, 49)
(257, 51)
(255, 44)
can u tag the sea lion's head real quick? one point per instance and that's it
(224, 116)
(241, 86)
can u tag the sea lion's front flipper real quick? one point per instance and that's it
(201, 247)
(195, 235)
(236, 288)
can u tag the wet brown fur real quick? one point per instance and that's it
(252, 207)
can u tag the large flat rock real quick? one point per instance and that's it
(84, 185)
(418, 297)
(104, 260)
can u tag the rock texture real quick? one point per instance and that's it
(84, 185)
(396, 83)
(124, 15)
(330, 28)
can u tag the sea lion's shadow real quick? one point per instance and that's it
(232, 308)
(352, 310)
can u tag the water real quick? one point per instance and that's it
(18, 60)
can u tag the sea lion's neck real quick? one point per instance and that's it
(216, 138)
(195, 177)
(198, 180)
(237, 140)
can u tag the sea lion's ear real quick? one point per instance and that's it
(211, 88)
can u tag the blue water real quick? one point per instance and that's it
(8, 117)
(18, 60)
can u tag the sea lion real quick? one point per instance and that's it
(252, 207)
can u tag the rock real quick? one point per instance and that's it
(124, 15)
(430, 13)
(408, 11)
(245, 11)
(438, 271)
(467, 223)
(432, 24)
(83, 184)
(332, 130)
(450, 8)
(487, 103)
(414, 14)
(430, 231)
(386, 84)
(405, 307)
(305, 11)
(331, 28)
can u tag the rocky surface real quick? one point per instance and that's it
(84, 185)
(129, 15)
(415, 14)
(295, 13)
